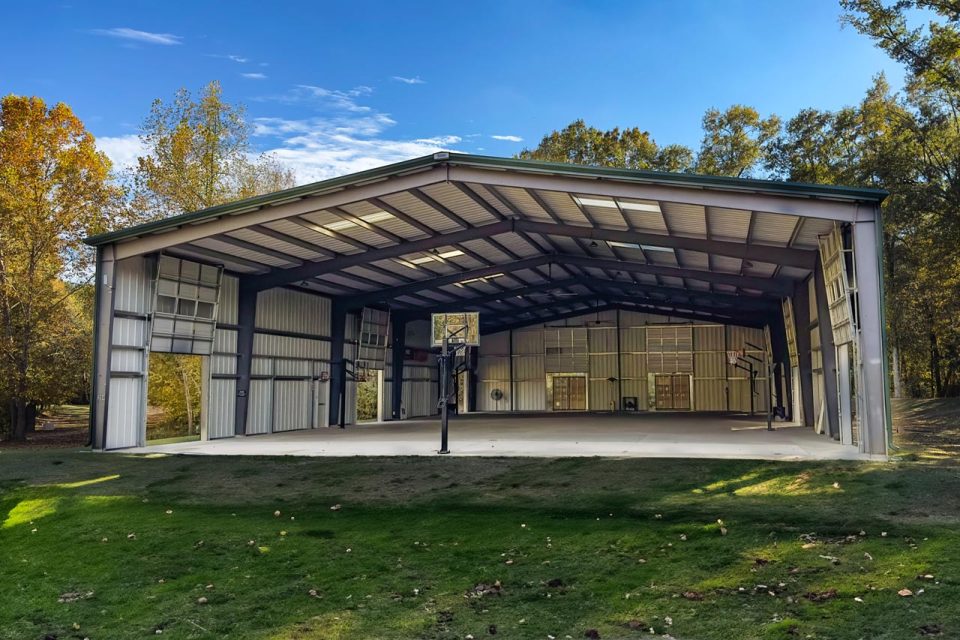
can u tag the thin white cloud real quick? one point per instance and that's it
(126, 33)
(123, 151)
(508, 138)
(344, 137)
(413, 80)
(230, 56)
(324, 99)
(254, 76)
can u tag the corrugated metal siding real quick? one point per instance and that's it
(126, 410)
(125, 413)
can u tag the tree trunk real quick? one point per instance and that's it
(897, 379)
(18, 420)
(187, 396)
(935, 376)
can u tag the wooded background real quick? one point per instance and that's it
(56, 188)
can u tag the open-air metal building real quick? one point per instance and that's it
(598, 290)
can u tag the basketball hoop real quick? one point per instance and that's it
(361, 374)
(734, 356)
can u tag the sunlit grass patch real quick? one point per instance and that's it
(30, 510)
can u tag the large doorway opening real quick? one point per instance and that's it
(370, 396)
(568, 392)
(174, 397)
(672, 391)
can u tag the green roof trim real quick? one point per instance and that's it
(694, 181)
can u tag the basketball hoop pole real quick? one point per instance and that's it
(444, 417)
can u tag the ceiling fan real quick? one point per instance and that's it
(553, 293)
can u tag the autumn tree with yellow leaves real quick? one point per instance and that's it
(54, 190)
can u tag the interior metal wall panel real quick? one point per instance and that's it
(220, 408)
(294, 402)
(287, 310)
(229, 297)
(260, 412)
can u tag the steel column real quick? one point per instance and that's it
(398, 333)
(781, 357)
(103, 340)
(874, 428)
(338, 332)
(246, 325)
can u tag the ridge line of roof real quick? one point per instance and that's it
(793, 189)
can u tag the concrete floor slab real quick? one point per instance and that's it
(679, 435)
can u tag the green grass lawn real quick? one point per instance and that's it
(617, 546)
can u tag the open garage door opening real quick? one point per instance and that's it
(599, 291)
(174, 397)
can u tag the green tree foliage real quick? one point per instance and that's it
(735, 141)
(174, 392)
(367, 399)
(627, 149)
(919, 142)
(198, 156)
(54, 190)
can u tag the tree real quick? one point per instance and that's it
(174, 387)
(198, 156)
(627, 149)
(54, 190)
(925, 227)
(734, 141)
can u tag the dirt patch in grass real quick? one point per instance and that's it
(70, 430)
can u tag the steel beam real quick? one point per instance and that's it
(269, 213)
(279, 277)
(747, 198)
(775, 286)
(802, 258)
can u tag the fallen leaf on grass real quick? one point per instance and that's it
(482, 589)
(905, 593)
(335, 507)
(74, 596)
(821, 596)
(693, 595)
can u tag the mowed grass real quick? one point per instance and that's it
(615, 546)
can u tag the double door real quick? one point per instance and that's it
(569, 393)
(673, 391)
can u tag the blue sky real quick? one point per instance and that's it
(334, 88)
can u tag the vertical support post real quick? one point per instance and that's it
(398, 331)
(510, 362)
(781, 359)
(828, 354)
(874, 427)
(246, 319)
(103, 340)
(801, 315)
(473, 376)
(338, 379)
(444, 405)
(619, 367)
